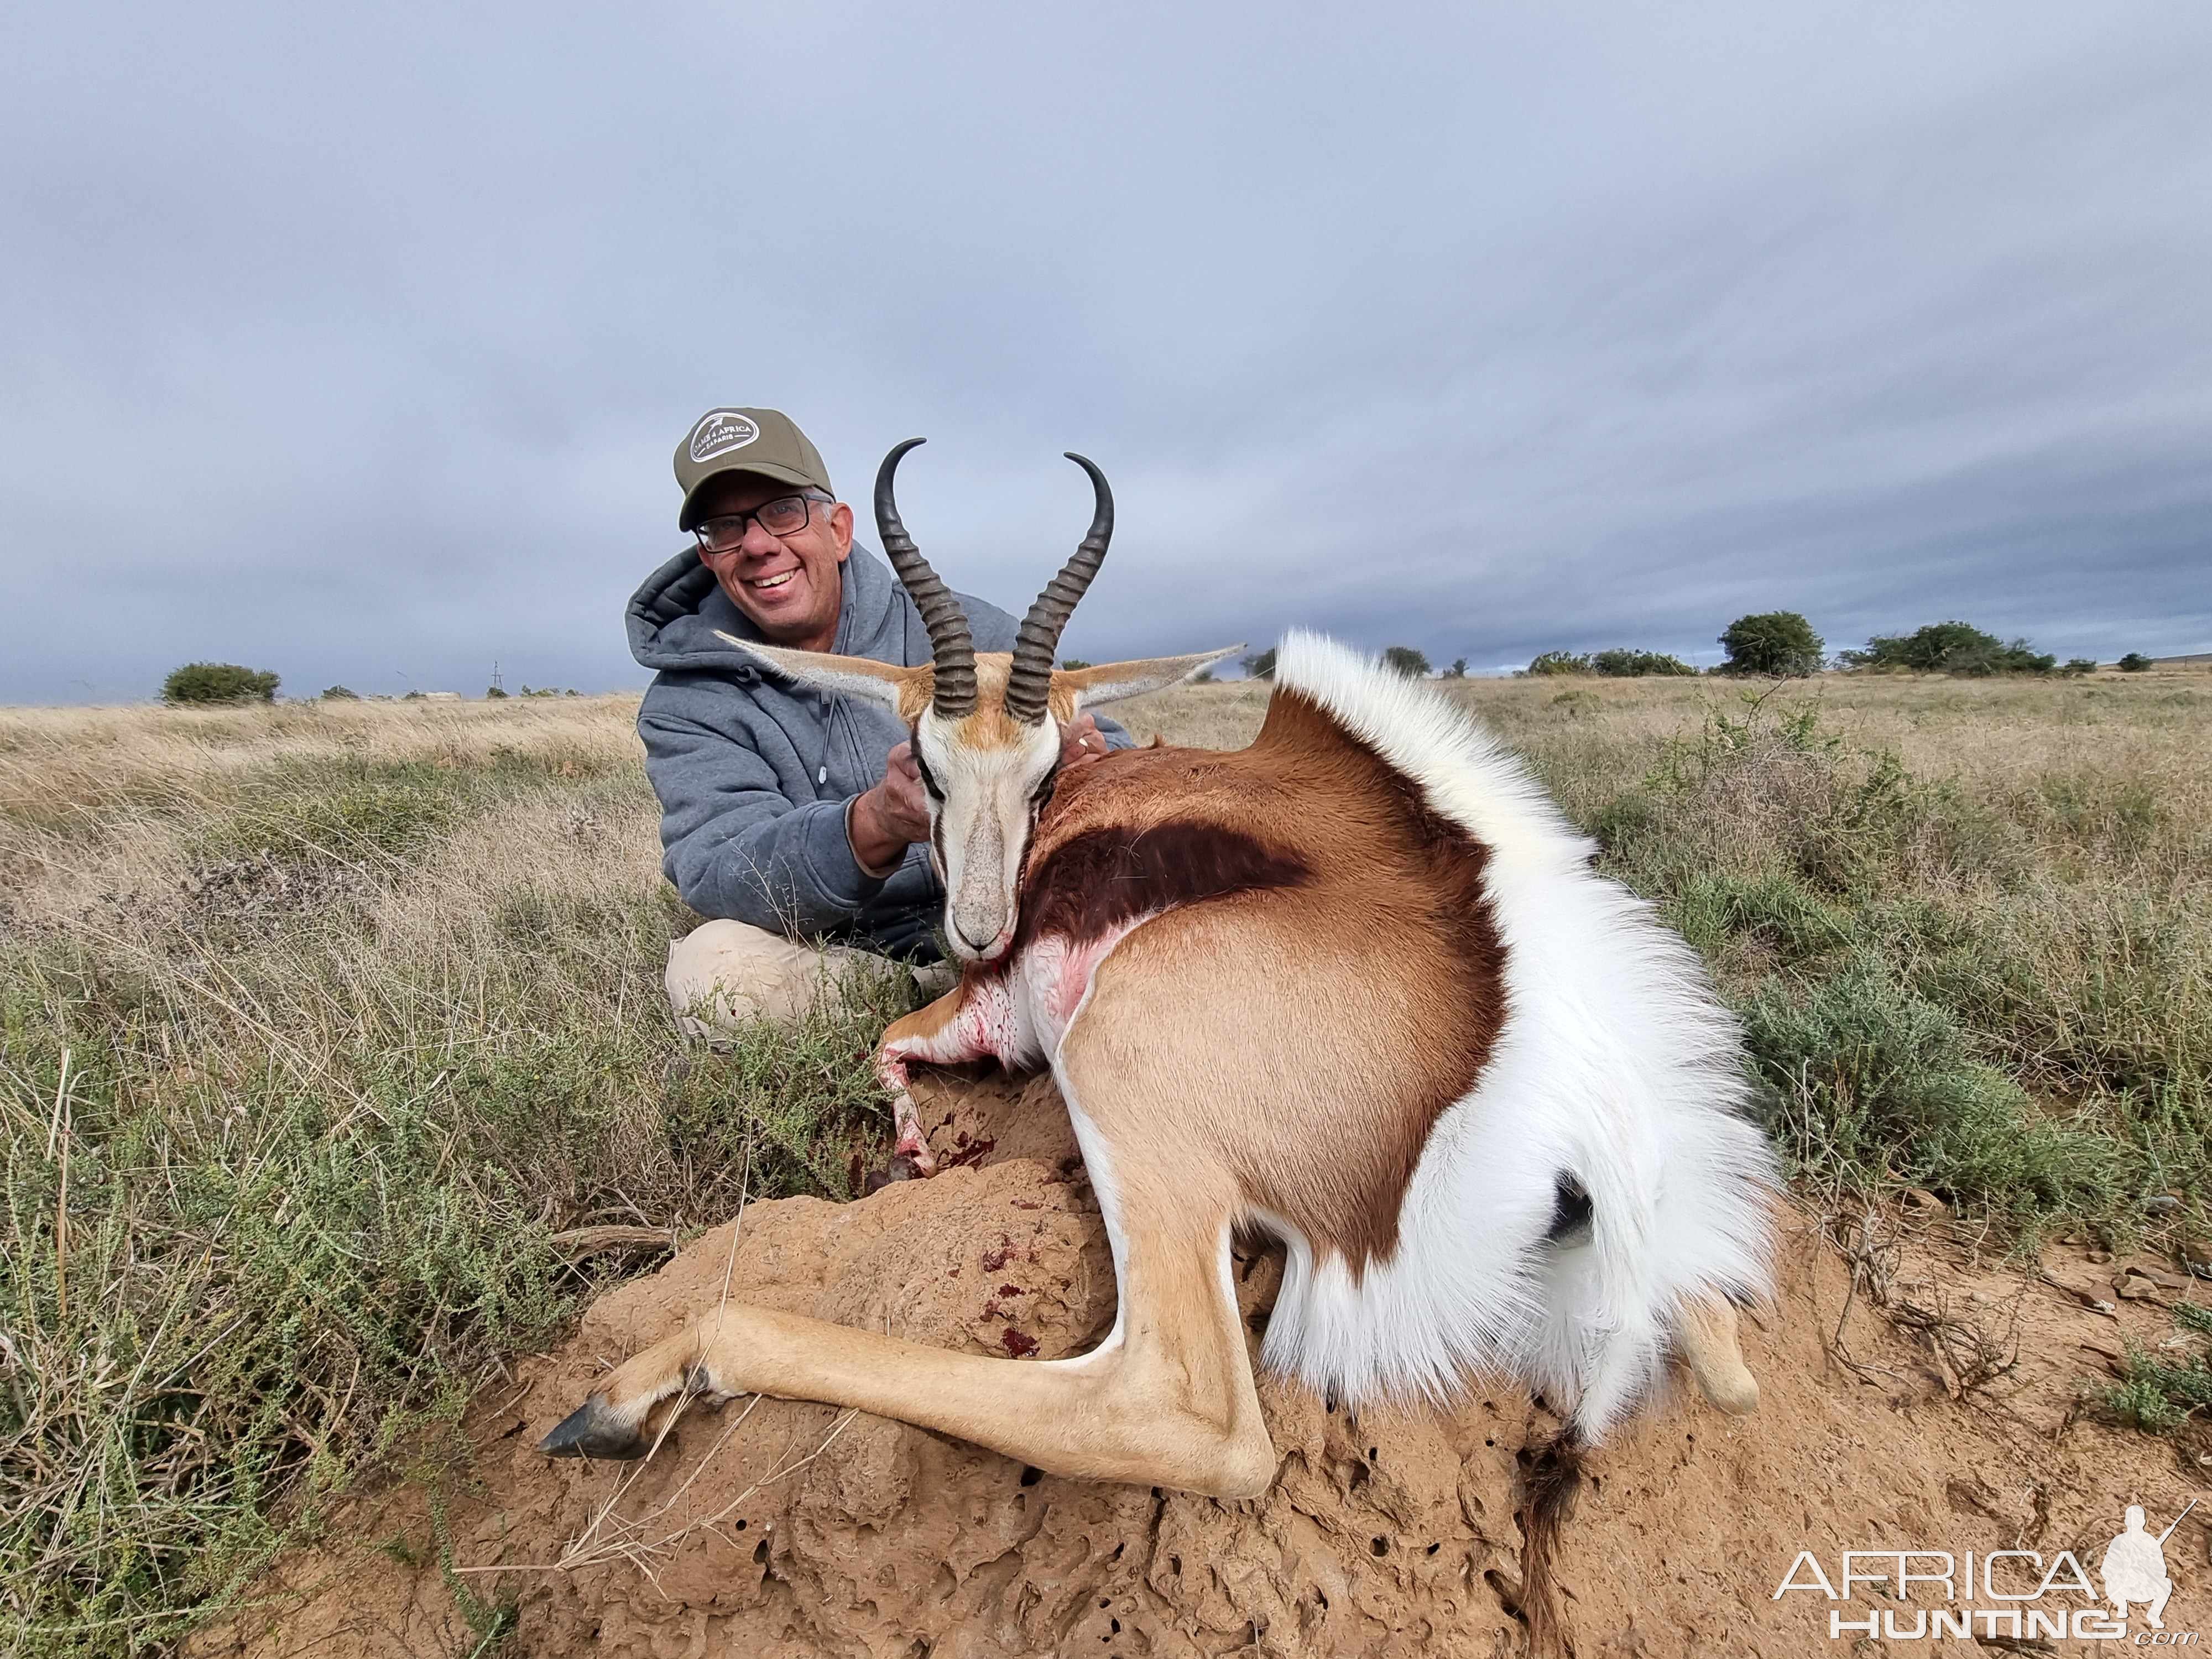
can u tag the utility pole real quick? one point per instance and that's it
(495, 685)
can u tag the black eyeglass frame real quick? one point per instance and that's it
(806, 498)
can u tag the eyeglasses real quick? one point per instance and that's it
(784, 516)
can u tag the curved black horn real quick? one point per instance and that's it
(951, 646)
(1030, 681)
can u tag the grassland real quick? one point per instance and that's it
(325, 1029)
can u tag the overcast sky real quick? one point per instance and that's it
(353, 342)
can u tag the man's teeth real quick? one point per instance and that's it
(772, 581)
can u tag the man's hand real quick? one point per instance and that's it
(1081, 740)
(890, 818)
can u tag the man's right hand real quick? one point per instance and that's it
(890, 818)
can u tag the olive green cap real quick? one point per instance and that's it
(762, 440)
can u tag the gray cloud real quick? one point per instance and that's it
(355, 347)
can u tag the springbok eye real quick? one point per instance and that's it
(928, 780)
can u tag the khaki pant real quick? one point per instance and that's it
(726, 972)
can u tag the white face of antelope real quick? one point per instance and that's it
(986, 774)
(986, 780)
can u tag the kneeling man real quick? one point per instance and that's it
(794, 819)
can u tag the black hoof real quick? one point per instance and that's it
(900, 1168)
(588, 1432)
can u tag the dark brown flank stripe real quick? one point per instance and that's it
(1101, 879)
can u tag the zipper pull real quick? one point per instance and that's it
(822, 777)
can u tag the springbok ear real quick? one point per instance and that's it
(904, 691)
(1110, 682)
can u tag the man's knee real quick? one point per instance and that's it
(725, 973)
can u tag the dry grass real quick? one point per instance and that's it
(321, 1023)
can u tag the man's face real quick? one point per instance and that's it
(789, 585)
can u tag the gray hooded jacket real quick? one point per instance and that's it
(754, 770)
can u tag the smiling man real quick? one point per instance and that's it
(795, 819)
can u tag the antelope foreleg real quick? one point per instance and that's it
(1172, 1404)
(931, 1033)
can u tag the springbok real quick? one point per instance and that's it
(1356, 987)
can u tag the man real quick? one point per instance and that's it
(789, 816)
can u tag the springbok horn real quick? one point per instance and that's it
(951, 646)
(1707, 1335)
(1030, 681)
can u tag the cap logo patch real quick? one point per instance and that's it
(721, 432)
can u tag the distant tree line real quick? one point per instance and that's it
(1782, 644)
(199, 683)
(1768, 643)
(1618, 663)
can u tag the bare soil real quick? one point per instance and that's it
(782, 1529)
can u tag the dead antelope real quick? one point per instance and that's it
(1356, 987)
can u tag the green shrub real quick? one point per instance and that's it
(1558, 662)
(1073, 663)
(1871, 1083)
(2134, 663)
(218, 681)
(1623, 664)
(1781, 643)
(339, 694)
(1405, 659)
(2159, 1395)
(492, 692)
(2078, 666)
(1951, 647)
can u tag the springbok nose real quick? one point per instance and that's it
(978, 945)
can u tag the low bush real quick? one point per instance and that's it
(1558, 662)
(1951, 647)
(1622, 663)
(218, 682)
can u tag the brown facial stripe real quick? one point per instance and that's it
(1102, 878)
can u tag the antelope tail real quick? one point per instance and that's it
(1554, 1480)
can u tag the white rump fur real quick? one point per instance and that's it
(1616, 1064)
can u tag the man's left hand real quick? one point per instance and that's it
(1081, 740)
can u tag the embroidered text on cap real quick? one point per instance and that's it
(721, 432)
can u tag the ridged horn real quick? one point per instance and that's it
(951, 646)
(1028, 684)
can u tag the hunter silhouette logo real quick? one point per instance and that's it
(721, 432)
(2134, 1567)
(2007, 1595)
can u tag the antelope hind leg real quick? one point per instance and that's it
(1708, 1342)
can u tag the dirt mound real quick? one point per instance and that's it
(782, 1529)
